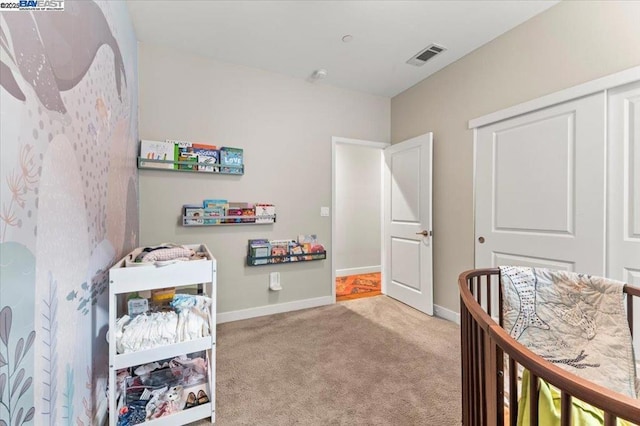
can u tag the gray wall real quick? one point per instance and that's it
(571, 43)
(285, 127)
(358, 206)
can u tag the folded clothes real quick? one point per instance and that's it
(190, 321)
(165, 252)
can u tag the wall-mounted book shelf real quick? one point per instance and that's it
(287, 258)
(186, 156)
(189, 166)
(274, 252)
(228, 220)
(216, 212)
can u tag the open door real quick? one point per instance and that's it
(407, 263)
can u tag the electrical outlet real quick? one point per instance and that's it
(274, 281)
(324, 211)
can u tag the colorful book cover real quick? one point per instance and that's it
(207, 154)
(279, 248)
(208, 203)
(231, 157)
(188, 157)
(295, 249)
(317, 251)
(259, 248)
(181, 149)
(265, 213)
(157, 150)
(306, 248)
(249, 215)
(234, 215)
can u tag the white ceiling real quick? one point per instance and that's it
(297, 37)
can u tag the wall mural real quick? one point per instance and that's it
(68, 204)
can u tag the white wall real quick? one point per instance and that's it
(285, 127)
(571, 43)
(358, 204)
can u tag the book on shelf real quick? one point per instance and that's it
(295, 249)
(265, 213)
(231, 157)
(280, 249)
(259, 248)
(309, 244)
(196, 152)
(155, 150)
(208, 154)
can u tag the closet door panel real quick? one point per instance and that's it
(624, 184)
(540, 188)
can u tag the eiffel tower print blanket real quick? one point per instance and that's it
(573, 320)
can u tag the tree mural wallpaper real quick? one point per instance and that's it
(68, 203)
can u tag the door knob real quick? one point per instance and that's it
(425, 233)
(481, 240)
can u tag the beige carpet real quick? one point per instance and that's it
(371, 361)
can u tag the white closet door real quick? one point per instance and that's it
(540, 188)
(624, 184)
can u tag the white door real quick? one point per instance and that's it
(624, 185)
(540, 185)
(408, 245)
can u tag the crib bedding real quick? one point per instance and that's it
(575, 321)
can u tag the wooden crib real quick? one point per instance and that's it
(487, 348)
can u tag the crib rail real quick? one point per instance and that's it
(486, 347)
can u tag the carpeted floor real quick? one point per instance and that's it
(371, 361)
(357, 286)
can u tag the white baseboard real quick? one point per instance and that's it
(447, 314)
(358, 271)
(273, 309)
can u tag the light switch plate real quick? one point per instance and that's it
(324, 211)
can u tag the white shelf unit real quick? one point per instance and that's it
(124, 280)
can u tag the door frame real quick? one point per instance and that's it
(335, 141)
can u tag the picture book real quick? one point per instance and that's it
(233, 215)
(259, 248)
(265, 213)
(192, 210)
(306, 248)
(317, 251)
(308, 238)
(295, 249)
(307, 243)
(215, 203)
(249, 215)
(233, 159)
(279, 248)
(188, 157)
(212, 215)
(155, 150)
(207, 154)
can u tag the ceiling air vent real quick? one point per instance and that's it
(426, 54)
